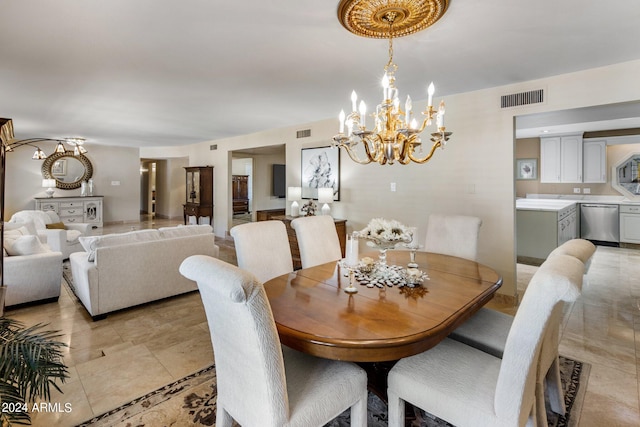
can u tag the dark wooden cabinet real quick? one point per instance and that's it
(269, 214)
(341, 228)
(199, 185)
(240, 189)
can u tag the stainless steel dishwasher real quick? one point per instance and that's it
(600, 222)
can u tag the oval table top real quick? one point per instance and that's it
(314, 315)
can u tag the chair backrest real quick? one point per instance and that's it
(455, 235)
(558, 280)
(249, 364)
(39, 218)
(317, 240)
(578, 248)
(262, 248)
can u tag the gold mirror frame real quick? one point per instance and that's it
(50, 160)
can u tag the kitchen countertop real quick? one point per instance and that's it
(575, 198)
(543, 204)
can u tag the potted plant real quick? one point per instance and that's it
(30, 363)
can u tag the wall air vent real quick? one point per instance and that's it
(522, 98)
(213, 147)
(303, 133)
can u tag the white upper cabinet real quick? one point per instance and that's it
(561, 158)
(550, 159)
(594, 166)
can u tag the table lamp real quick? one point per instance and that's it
(325, 196)
(293, 195)
(49, 184)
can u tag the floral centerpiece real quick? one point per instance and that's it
(385, 234)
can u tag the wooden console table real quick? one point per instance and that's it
(266, 215)
(341, 228)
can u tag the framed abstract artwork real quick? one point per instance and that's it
(320, 168)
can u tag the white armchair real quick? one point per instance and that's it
(63, 240)
(32, 272)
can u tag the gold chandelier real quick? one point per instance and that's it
(395, 136)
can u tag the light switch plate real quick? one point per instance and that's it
(576, 190)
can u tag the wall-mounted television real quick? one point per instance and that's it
(279, 181)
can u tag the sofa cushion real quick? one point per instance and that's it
(56, 226)
(73, 236)
(53, 217)
(8, 226)
(185, 230)
(11, 235)
(91, 243)
(25, 245)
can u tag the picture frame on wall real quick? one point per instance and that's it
(320, 168)
(526, 169)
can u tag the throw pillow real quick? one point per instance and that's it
(25, 245)
(56, 226)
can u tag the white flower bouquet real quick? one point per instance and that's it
(386, 233)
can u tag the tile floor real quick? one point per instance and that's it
(136, 351)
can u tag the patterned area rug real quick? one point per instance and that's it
(191, 401)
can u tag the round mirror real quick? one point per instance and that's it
(68, 170)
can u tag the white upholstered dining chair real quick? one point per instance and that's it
(488, 329)
(455, 235)
(317, 240)
(469, 387)
(262, 248)
(260, 382)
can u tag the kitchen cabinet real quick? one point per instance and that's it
(594, 165)
(561, 159)
(630, 224)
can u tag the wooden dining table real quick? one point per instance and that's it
(314, 314)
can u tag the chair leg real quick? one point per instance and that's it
(359, 412)
(223, 419)
(554, 388)
(396, 409)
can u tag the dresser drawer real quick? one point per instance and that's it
(67, 212)
(72, 219)
(190, 210)
(49, 207)
(71, 205)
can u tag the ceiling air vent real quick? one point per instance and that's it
(522, 98)
(303, 133)
(213, 147)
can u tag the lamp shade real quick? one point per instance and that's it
(294, 193)
(325, 195)
(48, 183)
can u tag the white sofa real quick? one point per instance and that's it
(118, 271)
(32, 271)
(63, 240)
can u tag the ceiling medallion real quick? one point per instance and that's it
(368, 18)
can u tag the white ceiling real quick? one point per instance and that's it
(170, 72)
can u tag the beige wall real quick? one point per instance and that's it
(121, 203)
(473, 175)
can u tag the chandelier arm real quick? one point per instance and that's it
(379, 157)
(436, 145)
(354, 156)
